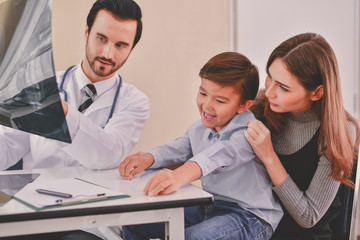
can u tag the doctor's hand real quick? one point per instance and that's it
(259, 137)
(65, 106)
(135, 164)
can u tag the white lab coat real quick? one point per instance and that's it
(95, 143)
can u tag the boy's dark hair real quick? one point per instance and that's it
(123, 9)
(233, 69)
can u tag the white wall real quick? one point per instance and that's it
(261, 25)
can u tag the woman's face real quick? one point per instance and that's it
(284, 91)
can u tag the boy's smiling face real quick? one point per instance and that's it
(218, 104)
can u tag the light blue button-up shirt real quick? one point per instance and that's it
(230, 169)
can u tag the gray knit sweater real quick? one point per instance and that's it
(308, 207)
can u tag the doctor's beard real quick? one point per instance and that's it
(101, 71)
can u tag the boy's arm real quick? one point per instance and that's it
(176, 152)
(167, 155)
(165, 182)
(225, 155)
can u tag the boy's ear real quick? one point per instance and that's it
(245, 106)
(318, 93)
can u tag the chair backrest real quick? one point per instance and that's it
(344, 226)
(354, 217)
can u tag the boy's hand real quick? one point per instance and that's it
(165, 182)
(162, 183)
(135, 164)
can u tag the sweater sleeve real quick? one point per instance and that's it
(308, 207)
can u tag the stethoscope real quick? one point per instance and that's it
(61, 90)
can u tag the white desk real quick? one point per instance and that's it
(18, 219)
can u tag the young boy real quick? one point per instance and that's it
(215, 150)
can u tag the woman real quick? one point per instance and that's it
(313, 140)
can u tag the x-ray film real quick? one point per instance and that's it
(29, 96)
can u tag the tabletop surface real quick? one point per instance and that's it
(188, 195)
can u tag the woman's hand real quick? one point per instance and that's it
(259, 137)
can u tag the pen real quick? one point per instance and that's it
(100, 196)
(54, 193)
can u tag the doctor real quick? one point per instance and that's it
(106, 132)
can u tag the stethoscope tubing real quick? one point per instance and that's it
(61, 90)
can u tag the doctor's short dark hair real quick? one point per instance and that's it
(123, 9)
(233, 69)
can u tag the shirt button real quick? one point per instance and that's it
(204, 184)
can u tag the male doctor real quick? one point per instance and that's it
(105, 132)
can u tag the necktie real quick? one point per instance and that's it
(90, 92)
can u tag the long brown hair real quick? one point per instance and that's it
(311, 59)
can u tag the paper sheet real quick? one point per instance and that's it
(81, 190)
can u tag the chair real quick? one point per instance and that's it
(344, 226)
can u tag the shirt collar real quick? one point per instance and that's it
(240, 119)
(213, 134)
(101, 86)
